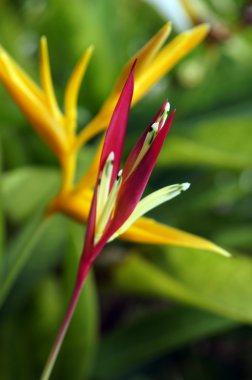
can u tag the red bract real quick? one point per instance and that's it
(117, 193)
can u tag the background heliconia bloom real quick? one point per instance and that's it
(137, 329)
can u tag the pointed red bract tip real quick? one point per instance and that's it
(115, 135)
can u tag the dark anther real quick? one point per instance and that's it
(151, 139)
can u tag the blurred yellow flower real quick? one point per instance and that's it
(58, 129)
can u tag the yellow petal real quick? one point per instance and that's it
(33, 108)
(46, 79)
(151, 70)
(167, 59)
(144, 57)
(74, 205)
(149, 231)
(27, 81)
(73, 87)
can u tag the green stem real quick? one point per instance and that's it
(64, 326)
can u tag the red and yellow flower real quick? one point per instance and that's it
(59, 129)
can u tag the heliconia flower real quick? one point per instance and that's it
(58, 129)
(116, 200)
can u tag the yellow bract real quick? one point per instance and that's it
(58, 129)
(33, 102)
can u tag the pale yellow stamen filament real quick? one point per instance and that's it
(146, 145)
(103, 187)
(108, 208)
(151, 201)
(151, 135)
(162, 118)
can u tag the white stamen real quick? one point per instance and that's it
(154, 126)
(102, 221)
(150, 137)
(151, 201)
(162, 118)
(167, 107)
(185, 186)
(103, 188)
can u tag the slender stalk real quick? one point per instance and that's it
(64, 326)
(68, 165)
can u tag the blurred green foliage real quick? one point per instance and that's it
(128, 324)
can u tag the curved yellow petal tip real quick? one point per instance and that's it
(83, 62)
(223, 252)
(215, 249)
(202, 29)
(43, 42)
(90, 49)
(166, 28)
(73, 87)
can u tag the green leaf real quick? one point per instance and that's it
(146, 338)
(37, 328)
(79, 348)
(10, 331)
(202, 279)
(214, 144)
(18, 253)
(238, 236)
(33, 282)
(46, 253)
(26, 189)
(2, 227)
(48, 303)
